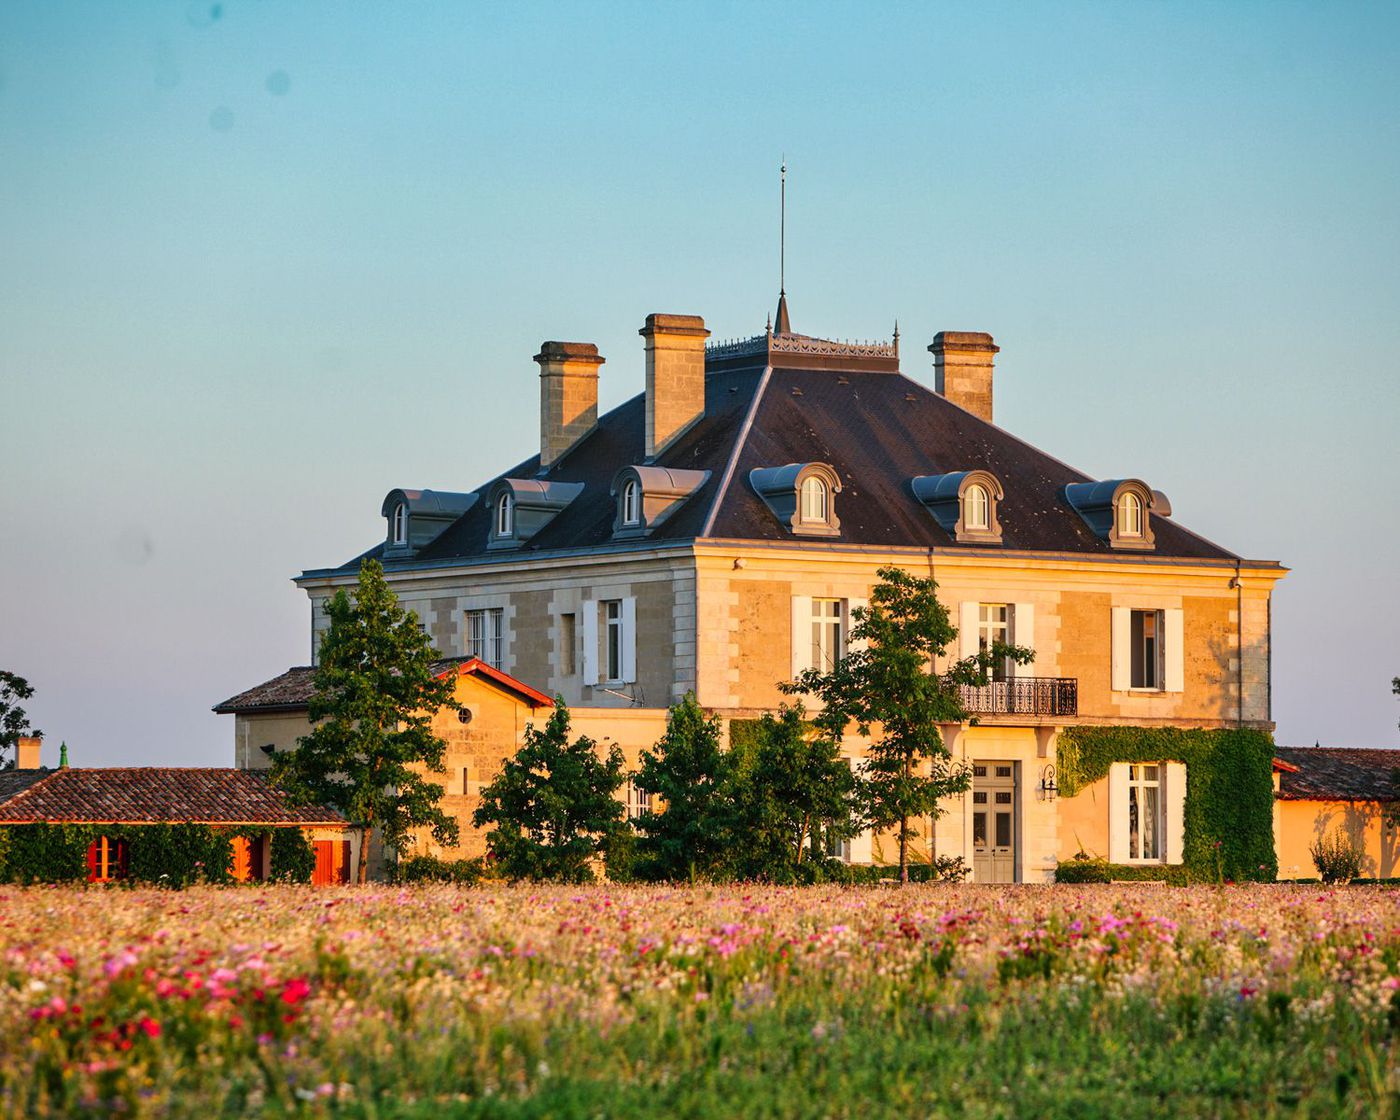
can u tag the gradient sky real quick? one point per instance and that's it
(260, 262)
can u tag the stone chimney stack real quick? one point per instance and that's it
(568, 396)
(675, 377)
(27, 750)
(962, 369)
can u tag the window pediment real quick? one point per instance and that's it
(416, 518)
(802, 496)
(964, 503)
(648, 496)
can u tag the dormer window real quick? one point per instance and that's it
(976, 507)
(964, 503)
(398, 528)
(505, 515)
(416, 518)
(801, 496)
(631, 503)
(1130, 515)
(521, 507)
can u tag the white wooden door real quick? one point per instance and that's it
(994, 839)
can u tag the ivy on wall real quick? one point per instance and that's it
(167, 854)
(1229, 829)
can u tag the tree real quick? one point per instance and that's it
(375, 696)
(792, 792)
(13, 722)
(686, 771)
(888, 688)
(554, 804)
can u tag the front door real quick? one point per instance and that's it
(993, 822)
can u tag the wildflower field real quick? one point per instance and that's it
(707, 1001)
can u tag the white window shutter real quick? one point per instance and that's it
(1122, 653)
(1174, 653)
(801, 633)
(1118, 812)
(1176, 811)
(589, 607)
(629, 639)
(1023, 628)
(967, 630)
(851, 605)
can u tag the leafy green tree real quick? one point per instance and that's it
(888, 688)
(685, 835)
(13, 722)
(372, 738)
(792, 792)
(554, 804)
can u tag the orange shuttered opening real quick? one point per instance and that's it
(332, 863)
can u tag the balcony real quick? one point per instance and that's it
(1023, 696)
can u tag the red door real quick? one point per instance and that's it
(332, 863)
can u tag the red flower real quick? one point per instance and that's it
(148, 1026)
(294, 991)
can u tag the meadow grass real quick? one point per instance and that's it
(705, 1002)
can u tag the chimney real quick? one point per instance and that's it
(962, 369)
(675, 377)
(27, 752)
(568, 396)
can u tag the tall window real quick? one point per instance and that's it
(399, 532)
(1145, 632)
(1130, 515)
(505, 515)
(1145, 808)
(813, 499)
(484, 635)
(631, 514)
(568, 636)
(106, 860)
(828, 633)
(993, 625)
(976, 508)
(612, 638)
(638, 800)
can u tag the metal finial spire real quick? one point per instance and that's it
(782, 230)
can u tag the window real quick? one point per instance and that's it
(993, 625)
(638, 800)
(399, 524)
(1145, 813)
(484, 635)
(1145, 635)
(1130, 515)
(631, 493)
(106, 860)
(612, 638)
(976, 508)
(568, 637)
(505, 515)
(814, 504)
(828, 633)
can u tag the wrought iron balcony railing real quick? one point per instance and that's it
(1023, 696)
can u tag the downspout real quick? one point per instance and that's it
(1239, 647)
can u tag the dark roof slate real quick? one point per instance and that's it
(17, 781)
(1339, 774)
(156, 794)
(878, 429)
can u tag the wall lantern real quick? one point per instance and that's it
(1047, 784)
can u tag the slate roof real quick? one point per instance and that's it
(1339, 774)
(876, 427)
(291, 692)
(156, 794)
(17, 781)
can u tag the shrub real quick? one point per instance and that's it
(1084, 869)
(1336, 857)
(943, 869)
(293, 858)
(431, 869)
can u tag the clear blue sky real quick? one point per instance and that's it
(260, 262)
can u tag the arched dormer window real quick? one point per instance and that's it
(398, 525)
(801, 496)
(631, 503)
(976, 507)
(505, 515)
(415, 518)
(1130, 515)
(814, 500)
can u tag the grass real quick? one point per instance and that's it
(442, 1002)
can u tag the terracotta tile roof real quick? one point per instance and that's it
(153, 794)
(1339, 774)
(291, 692)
